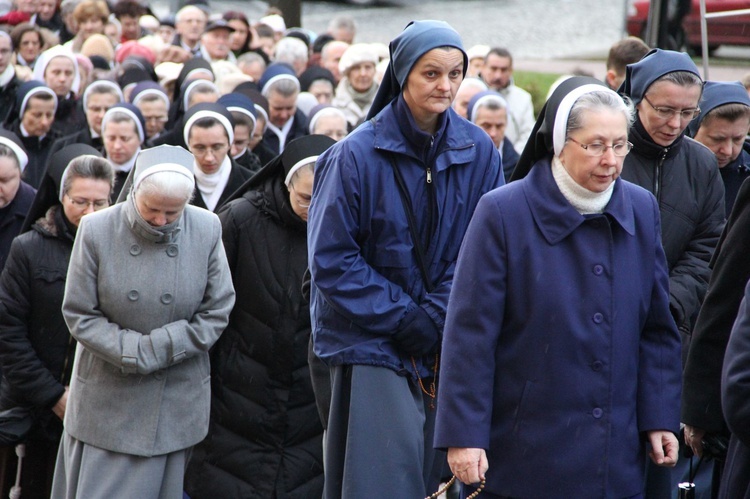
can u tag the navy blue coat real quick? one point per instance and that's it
(365, 277)
(559, 348)
(735, 401)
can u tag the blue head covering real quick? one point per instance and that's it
(483, 98)
(240, 103)
(717, 94)
(275, 72)
(148, 87)
(418, 38)
(640, 75)
(27, 90)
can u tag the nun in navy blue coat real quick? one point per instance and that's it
(561, 360)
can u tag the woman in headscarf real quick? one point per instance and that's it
(36, 105)
(561, 361)
(140, 395)
(57, 68)
(243, 113)
(196, 68)
(357, 88)
(265, 439)
(15, 194)
(152, 100)
(390, 206)
(123, 136)
(36, 349)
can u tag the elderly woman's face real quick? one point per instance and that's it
(38, 116)
(300, 193)
(595, 173)
(85, 196)
(433, 82)
(331, 126)
(158, 210)
(31, 46)
(361, 76)
(667, 95)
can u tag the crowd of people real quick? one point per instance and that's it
(246, 260)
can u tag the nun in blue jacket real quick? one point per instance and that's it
(561, 360)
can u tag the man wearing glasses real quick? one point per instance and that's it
(684, 176)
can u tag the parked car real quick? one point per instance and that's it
(733, 30)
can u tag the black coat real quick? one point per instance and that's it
(250, 161)
(38, 152)
(265, 437)
(12, 217)
(299, 128)
(735, 399)
(36, 349)
(701, 395)
(686, 182)
(8, 100)
(237, 177)
(82, 136)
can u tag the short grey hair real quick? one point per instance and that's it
(88, 166)
(167, 184)
(7, 152)
(291, 50)
(285, 87)
(594, 101)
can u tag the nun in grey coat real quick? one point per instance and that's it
(148, 293)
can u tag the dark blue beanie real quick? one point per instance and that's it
(657, 63)
(717, 94)
(406, 49)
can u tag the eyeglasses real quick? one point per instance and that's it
(201, 150)
(598, 149)
(666, 113)
(303, 201)
(82, 204)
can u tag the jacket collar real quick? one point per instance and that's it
(643, 144)
(395, 122)
(556, 217)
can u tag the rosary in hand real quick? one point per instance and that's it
(448, 485)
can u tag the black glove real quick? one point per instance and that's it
(418, 334)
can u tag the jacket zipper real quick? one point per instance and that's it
(657, 175)
(430, 201)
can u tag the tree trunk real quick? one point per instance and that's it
(292, 10)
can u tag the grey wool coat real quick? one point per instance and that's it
(145, 307)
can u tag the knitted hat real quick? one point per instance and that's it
(357, 54)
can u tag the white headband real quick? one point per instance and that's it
(101, 83)
(208, 114)
(151, 91)
(326, 111)
(244, 111)
(563, 111)
(299, 164)
(23, 158)
(163, 167)
(190, 88)
(267, 87)
(131, 114)
(485, 99)
(32, 93)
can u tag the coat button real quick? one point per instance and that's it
(597, 365)
(598, 318)
(133, 295)
(166, 298)
(172, 250)
(135, 250)
(597, 412)
(159, 374)
(598, 269)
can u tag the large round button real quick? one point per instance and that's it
(159, 374)
(133, 295)
(166, 298)
(598, 269)
(172, 250)
(135, 250)
(597, 413)
(597, 365)
(598, 318)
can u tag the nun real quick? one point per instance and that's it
(489, 111)
(57, 67)
(244, 114)
(265, 438)
(390, 206)
(36, 104)
(123, 135)
(139, 396)
(561, 361)
(36, 349)
(15, 194)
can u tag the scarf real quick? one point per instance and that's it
(586, 202)
(211, 185)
